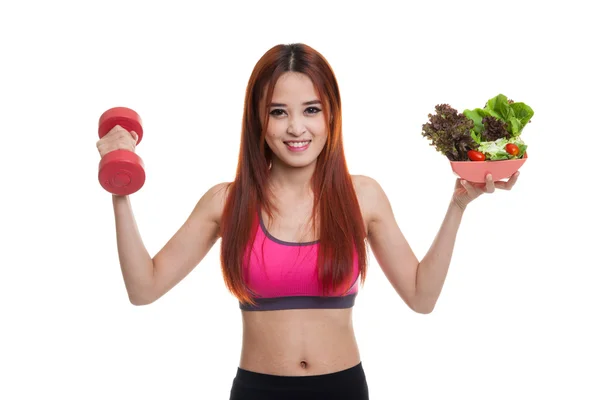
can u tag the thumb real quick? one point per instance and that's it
(134, 135)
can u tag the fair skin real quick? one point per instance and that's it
(298, 342)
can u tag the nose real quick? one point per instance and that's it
(296, 127)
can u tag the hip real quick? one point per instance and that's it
(351, 383)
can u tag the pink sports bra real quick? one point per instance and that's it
(283, 276)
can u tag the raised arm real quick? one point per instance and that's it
(418, 283)
(147, 279)
(387, 242)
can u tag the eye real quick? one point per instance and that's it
(315, 110)
(277, 112)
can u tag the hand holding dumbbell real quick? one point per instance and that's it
(121, 171)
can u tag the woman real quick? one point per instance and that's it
(295, 226)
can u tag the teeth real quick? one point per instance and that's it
(297, 144)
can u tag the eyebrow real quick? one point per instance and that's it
(308, 103)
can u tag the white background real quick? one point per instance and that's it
(518, 316)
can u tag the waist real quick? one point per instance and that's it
(299, 342)
(352, 378)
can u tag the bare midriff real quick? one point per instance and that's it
(298, 342)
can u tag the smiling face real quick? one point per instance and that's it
(296, 132)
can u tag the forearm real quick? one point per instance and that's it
(433, 268)
(136, 264)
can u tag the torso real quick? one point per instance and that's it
(299, 342)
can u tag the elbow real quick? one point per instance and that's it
(140, 299)
(424, 310)
(422, 307)
(141, 293)
(139, 302)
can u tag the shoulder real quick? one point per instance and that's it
(367, 188)
(220, 190)
(364, 183)
(213, 201)
(371, 196)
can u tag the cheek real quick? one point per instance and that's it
(271, 136)
(321, 133)
(320, 129)
(273, 128)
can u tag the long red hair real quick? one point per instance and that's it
(336, 206)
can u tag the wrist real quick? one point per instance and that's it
(119, 198)
(458, 205)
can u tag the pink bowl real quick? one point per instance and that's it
(475, 171)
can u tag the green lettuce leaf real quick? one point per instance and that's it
(523, 113)
(476, 116)
(499, 105)
(515, 126)
(515, 114)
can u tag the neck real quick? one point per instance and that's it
(285, 180)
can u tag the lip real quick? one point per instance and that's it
(297, 149)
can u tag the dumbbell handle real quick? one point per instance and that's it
(123, 116)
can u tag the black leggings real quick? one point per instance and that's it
(349, 384)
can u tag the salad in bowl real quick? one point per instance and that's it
(481, 140)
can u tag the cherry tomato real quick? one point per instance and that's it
(475, 155)
(512, 149)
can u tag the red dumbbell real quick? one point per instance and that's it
(121, 172)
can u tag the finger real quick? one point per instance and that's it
(457, 183)
(502, 185)
(471, 190)
(513, 179)
(489, 184)
(116, 128)
(508, 184)
(134, 135)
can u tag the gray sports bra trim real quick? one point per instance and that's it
(282, 242)
(300, 302)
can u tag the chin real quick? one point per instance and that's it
(298, 163)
